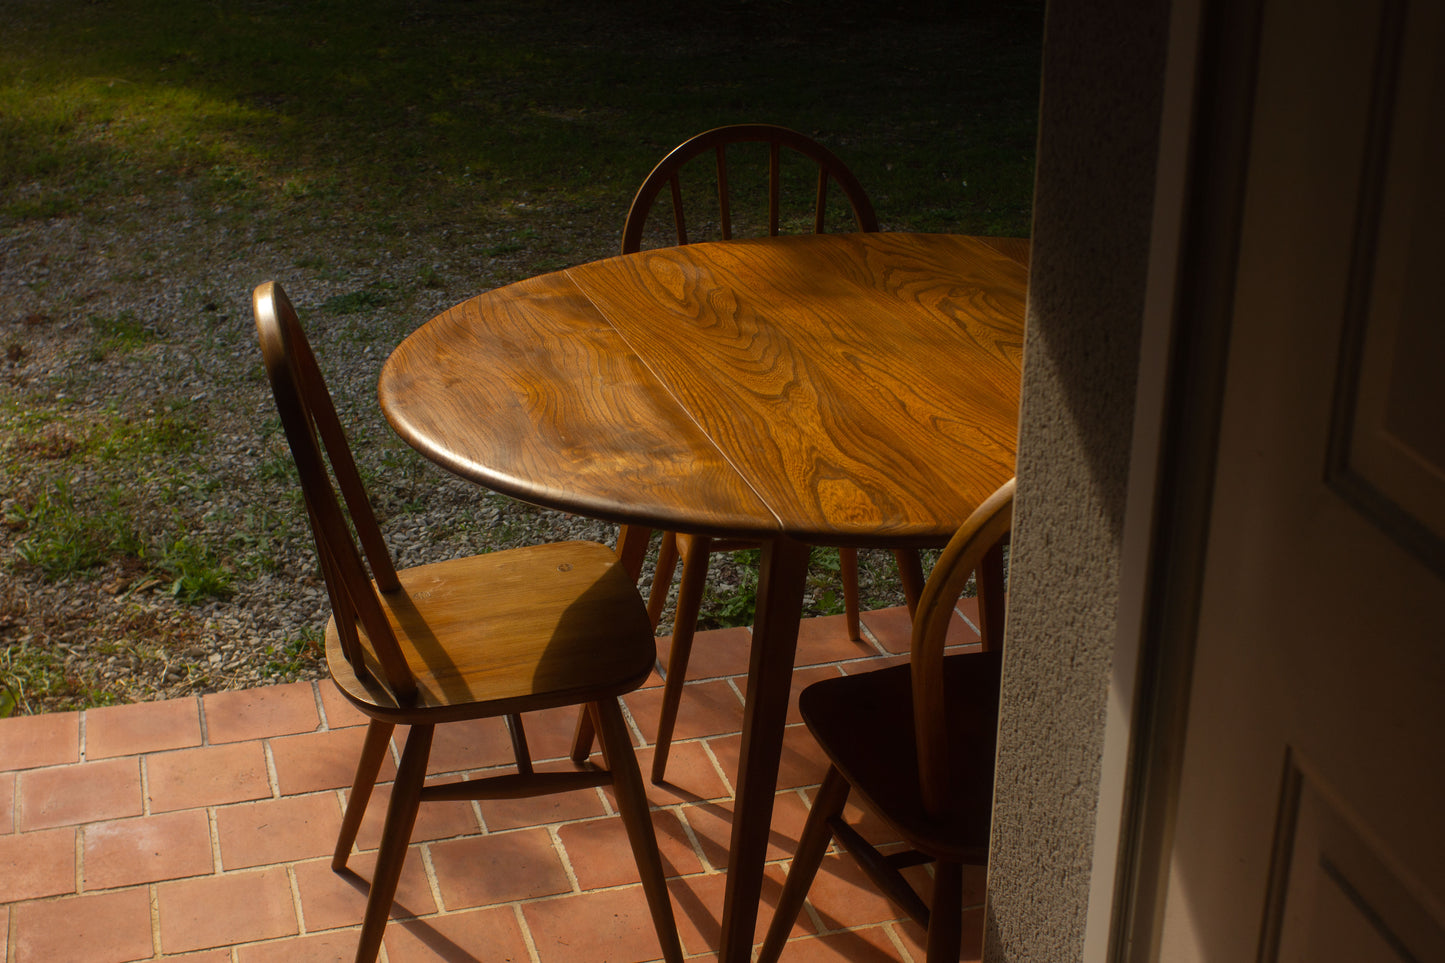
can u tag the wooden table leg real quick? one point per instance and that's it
(632, 541)
(770, 671)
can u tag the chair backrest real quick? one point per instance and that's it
(315, 435)
(668, 173)
(975, 547)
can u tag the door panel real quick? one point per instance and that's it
(1310, 822)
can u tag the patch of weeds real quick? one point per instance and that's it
(514, 244)
(121, 334)
(33, 676)
(277, 468)
(164, 435)
(47, 205)
(828, 597)
(738, 605)
(368, 298)
(297, 654)
(430, 277)
(64, 538)
(196, 571)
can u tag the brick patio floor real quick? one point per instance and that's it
(200, 829)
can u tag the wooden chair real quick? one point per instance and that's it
(693, 550)
(484, 636)
(917, 743)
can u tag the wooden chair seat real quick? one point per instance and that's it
(554, 625)
(857, 720)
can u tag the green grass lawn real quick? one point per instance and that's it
(158, 158)
(405, 116)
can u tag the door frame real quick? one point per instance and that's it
(1209, 77)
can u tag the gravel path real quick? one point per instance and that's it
(144, 465)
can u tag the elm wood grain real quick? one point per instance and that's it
(467, 638)
(916, 743)
(693, 551)
(529, 391)
(813, 362)
(943, 416)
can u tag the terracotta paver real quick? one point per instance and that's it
(482, 870)
(440, 819)
(601, 855)
(893, 629)
(711, 823)
(913, 936)
(549, 733)
(218, 814)
(697, 904)
(7, 802)
(84, 792)
(841, 895)
(716, 653)
(148, 849)
(607, 925)
(802, 763)
(503, 814)
(276, 830)
(692, 775)
(707, 709)
(825, 639)
(334, 947)
(142, 727)
(482, 934)
(100, 928)
(209, 911)
(473, 744)
(37, 864)
(52, 739)
(206, 776)
(340, 713)
(871, 944)
(259, 713)
(321, 760)
(330, 899)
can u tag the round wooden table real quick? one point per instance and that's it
(857, 390)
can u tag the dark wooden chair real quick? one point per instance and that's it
(485, 636)
(693, 550)
(916, 742)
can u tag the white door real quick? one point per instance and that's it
(1310, 819)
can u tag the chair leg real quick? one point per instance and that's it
(910, 573)
(812, 845)
(945, 915)
(373, 751)
(684, 627)
(395, 837)
(632, 803)
(662, 577)
(519, 743)
(848, 569)
(583, 736)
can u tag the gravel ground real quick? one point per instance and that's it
(134, 416)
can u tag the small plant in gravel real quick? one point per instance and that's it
(64, 538)
(302, 650)
(195, 571)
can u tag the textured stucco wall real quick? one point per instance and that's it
(1102, 76)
